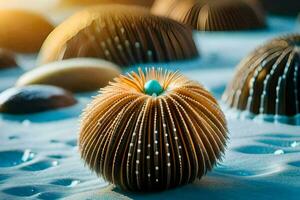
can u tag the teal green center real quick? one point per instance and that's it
(153, 87)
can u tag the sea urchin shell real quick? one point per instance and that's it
(215, 15)
(144, 142)
(267, 81)
(93, 2)
(124, 35)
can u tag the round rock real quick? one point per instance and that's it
(77, 74)
(34, 98)
(23, 31)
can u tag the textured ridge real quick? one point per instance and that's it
(122, 34)
(216, 15)
(266, 81)
(141, 142)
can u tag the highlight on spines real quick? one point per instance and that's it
(145, 142)
(266, 82)
(124, 35)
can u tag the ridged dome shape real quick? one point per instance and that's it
(266, 82)
(124, 35)
(214, 15)
(175, 9)
(93, 2)
(145, 142)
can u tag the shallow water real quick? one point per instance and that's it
(39, 157)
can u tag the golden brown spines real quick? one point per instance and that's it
(146, 142)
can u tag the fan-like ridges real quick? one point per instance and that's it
(64, 3)
(144, 143)
(266, 82)
(127, 35)
(218, 15)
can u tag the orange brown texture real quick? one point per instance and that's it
(23, 31)
(144, 142)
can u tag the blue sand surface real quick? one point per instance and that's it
(39, 157)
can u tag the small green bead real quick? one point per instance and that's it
(153, 87)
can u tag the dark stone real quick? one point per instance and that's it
(34, 98)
